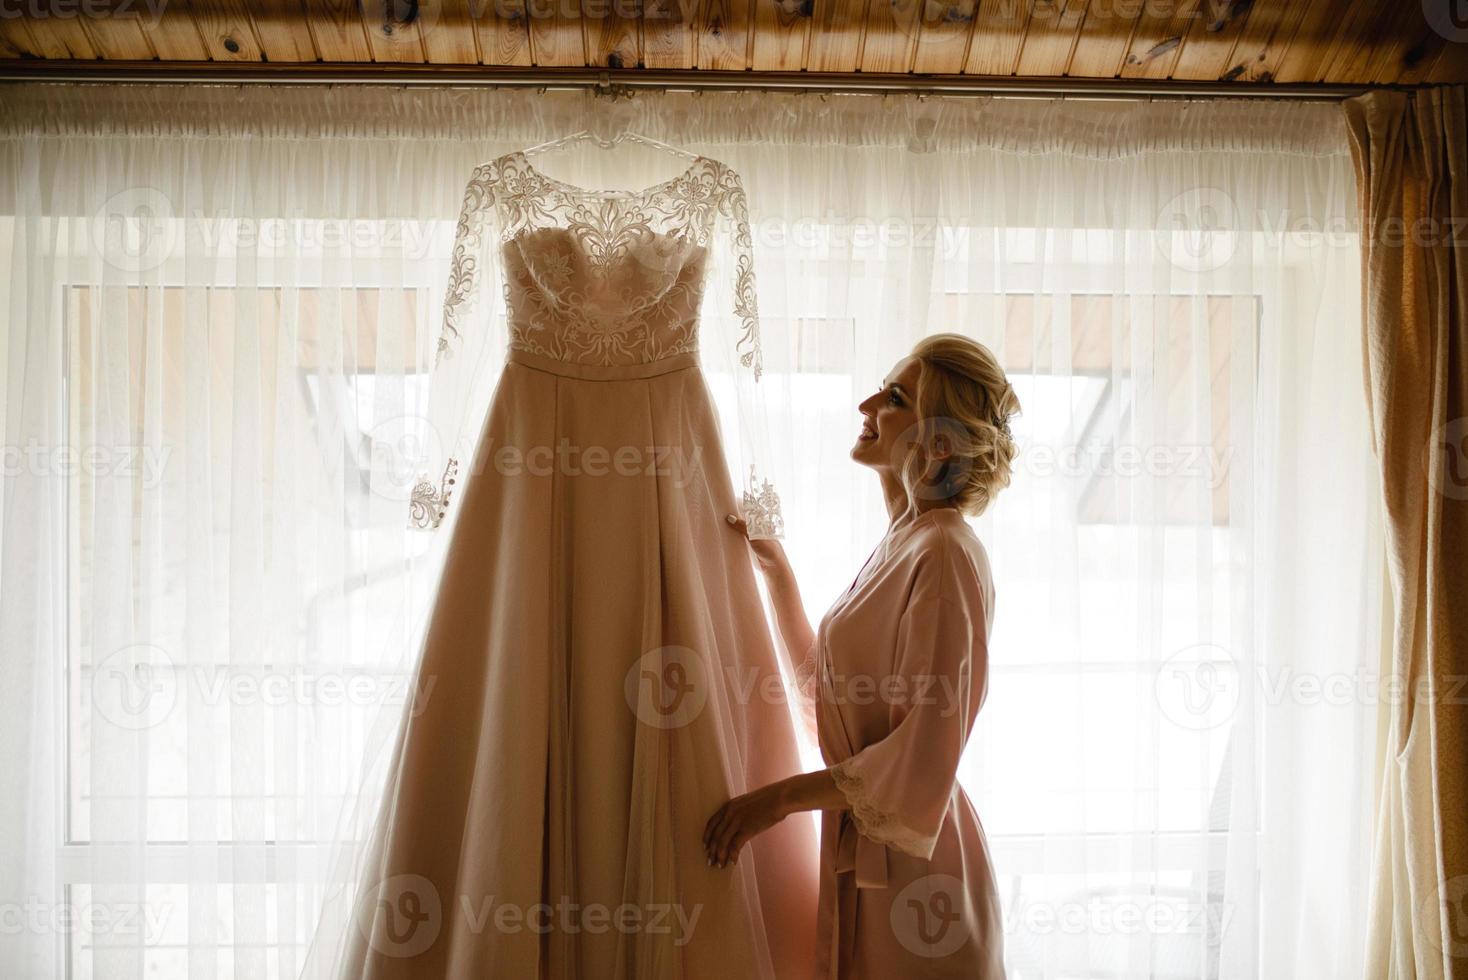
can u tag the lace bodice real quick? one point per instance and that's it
(601, 278)
(606, 277)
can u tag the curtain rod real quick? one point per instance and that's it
(628, 80)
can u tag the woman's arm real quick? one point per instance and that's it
(745, 817)
(795, 630)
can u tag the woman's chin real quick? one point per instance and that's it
(862, 452)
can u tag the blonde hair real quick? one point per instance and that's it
(963, 400)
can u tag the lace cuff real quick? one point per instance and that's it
(762, 509)
(875, 823)
(430, 503)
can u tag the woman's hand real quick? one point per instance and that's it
(740, 820)
(767, 551)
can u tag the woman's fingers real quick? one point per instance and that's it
(711, 828)
(725, 841)
(738, 524)
(717, 830)
(724, 835)
(713, 834)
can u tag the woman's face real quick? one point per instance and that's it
(889, 418)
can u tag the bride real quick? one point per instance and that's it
(896, 672)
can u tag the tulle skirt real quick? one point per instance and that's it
(596, 679)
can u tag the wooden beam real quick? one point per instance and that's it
(658, 79)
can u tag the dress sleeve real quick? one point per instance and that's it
(733, 357)
(899, 787)
(467, 356)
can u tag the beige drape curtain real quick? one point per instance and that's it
(1411, 154)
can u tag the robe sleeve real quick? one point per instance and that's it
(898, 787)
(807, 689)
(732, 353)
(467, 355)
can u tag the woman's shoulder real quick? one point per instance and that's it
(949, 559)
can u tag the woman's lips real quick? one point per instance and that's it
(866, 434)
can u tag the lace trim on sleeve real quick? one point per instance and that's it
(734, 207)
(761, 507)
(459, 298)
(429, 503)
(805, 675)
(875, 823)
(807, 690)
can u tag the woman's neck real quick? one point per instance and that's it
(900, 507)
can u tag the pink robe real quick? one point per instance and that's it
(898, 672)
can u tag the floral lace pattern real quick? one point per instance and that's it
(871, 820)
(806, 679)
(600, 278)
(603, 279)
(762, 509)
(428, 503)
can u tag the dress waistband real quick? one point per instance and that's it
(602, 372)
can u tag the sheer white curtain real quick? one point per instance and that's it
(219, 308)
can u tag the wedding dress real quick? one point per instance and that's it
(598, 669)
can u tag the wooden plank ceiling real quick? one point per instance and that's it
(1247, 41)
